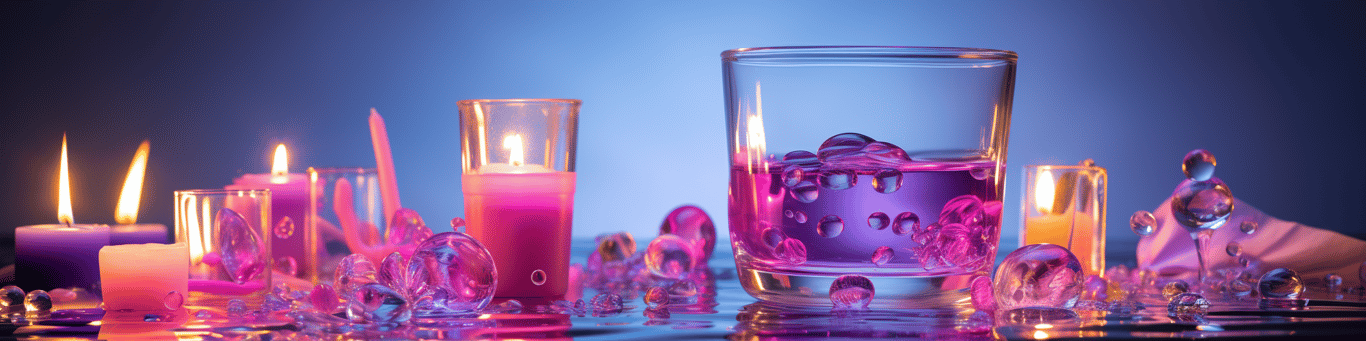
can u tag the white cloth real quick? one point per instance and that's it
(1311, 252)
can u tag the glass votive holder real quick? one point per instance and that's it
(227, 236)
(1065, 206)
(144, 277)
(517, 157)
(346, 215)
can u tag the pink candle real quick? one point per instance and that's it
(288, 207)
(144, 277)
(524, 220)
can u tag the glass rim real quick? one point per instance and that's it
(1066, 167)
(521, 100)
(219, 191)
(868, 52)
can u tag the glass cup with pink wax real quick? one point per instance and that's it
(880, 162)
(517, 157)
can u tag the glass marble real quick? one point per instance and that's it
(1280, 283)
(1039, 275)
(670, 256)
(851, 292)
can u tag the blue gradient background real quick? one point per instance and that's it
(1272, 88)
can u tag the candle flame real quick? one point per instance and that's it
(64, 190)
(513, 143)
(1044, 191)
(279, 170)
(127, 210)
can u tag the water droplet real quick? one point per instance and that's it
(203, 314)
(1174, 288)
(454, 270)
(391, 272)
(1233, 249)
(851, 292)
(606, 304)
(352, 272)
(243, 254)
(800, 217)
(1280, 283)
(906, 223)
(406, 228)
(538, 277)
(507, 307)
(883, 255)
(324, 298)
(379, 303)
(457, 223)
(669, 256)
(11, 296)
(1198, 165)
(980, 173)
(838, 179)
(287, 265)
(1039, 275)
(887, 181)
(1248, 227)
(791, 251)
(980, 289)
(830, 226)
(173, 300)
(38, 301)
(787, 213)
(693, 225)
(1202, 204)
(846, 143)
(772, 236)
(616, 246)
(236, 307)
(1188, 304)
(802, 158)
(1241, 285)
(285, 228)
(805, 191)
(792, 175)
(878, 220)
(1333, 282)
(1143, 223)
(656, 297)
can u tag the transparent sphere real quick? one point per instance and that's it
(1280, 283)
(656, 297)
(669, 256)
(38, 300)
(616, 246)
(11, 296)
(236, 307)
(883, 255)
(453, 270)
(1039, 275)
(324, 298)
(1143, 223)
(1198, 165)
(1188, 304)
(693, 225)
(1202, 204)
(851, 292)
(1174, 288)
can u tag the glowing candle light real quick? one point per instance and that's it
(1065, 206)
(59, 255)
(128, 231)
(290, 238)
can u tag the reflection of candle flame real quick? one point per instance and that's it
(127, 210)
(279, 170)
(64, 190)
(513, 143)
(754, 134)
(1044, 191)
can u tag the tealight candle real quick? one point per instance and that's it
(1065, 206)
(289, 207)
(61, 255)
(144, 277)
(518, 181)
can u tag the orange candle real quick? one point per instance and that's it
(1065, 206)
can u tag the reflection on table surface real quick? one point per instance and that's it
(721, 309)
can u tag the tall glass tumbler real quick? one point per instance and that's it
(345, 216)
(881, 162)
(517, 157)
(228, 234)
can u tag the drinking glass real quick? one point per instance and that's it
(881, 162)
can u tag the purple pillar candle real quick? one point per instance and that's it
(54, 256)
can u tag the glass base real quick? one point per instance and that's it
(813, 290)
